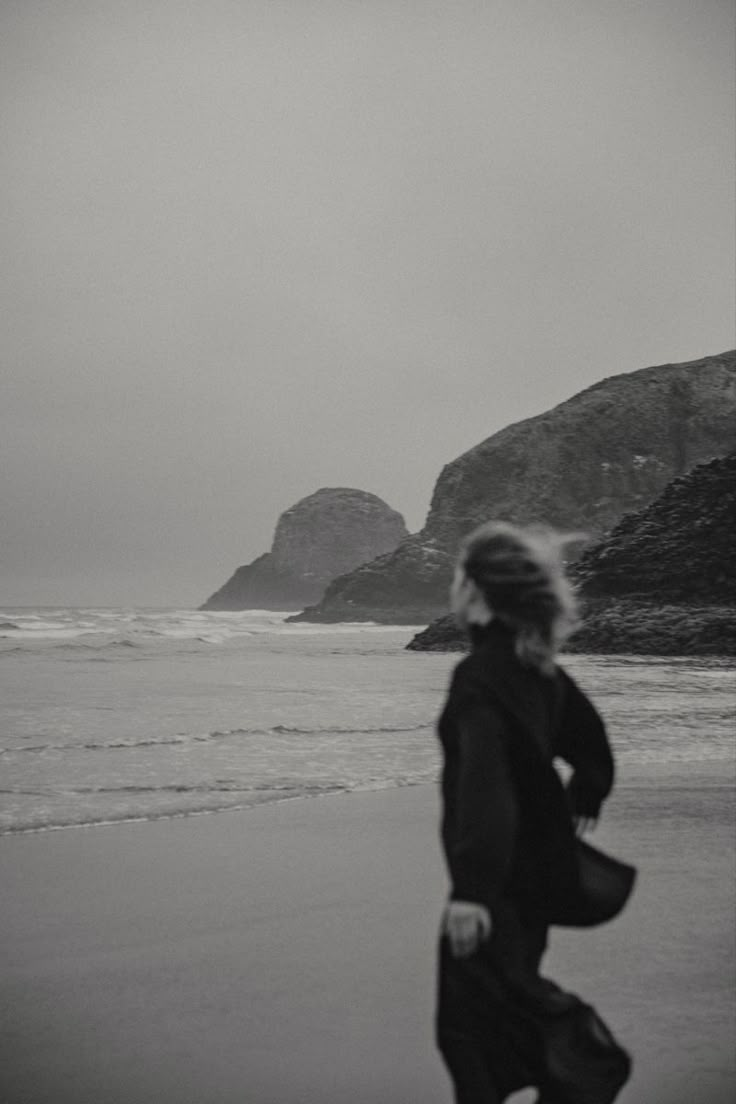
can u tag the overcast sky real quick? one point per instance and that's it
(254, 248)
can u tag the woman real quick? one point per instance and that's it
(509, 829)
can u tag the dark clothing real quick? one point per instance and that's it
(506, 816)
(508, 837)
(482, 1032)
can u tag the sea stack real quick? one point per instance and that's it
(322, 536)
(607, 451)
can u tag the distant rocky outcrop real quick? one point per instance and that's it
(607, 451)
(663, 582)
(321, 536)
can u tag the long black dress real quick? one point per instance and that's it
(508, 838)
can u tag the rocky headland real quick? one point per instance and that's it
(583, 465)
(663, 582)
(324, 535)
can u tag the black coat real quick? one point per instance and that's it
(507, 820)
(509, 839)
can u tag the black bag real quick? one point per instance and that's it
(602, 887)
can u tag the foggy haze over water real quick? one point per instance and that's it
(252, 249)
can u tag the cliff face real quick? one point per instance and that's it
(663, 582)
(609, 450)
(321, 536)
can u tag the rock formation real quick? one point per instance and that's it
(680, 549)
(663, 582)
(608, 450)
(321, 536)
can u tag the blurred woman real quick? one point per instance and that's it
(509, 831)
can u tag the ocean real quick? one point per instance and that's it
(122, 714)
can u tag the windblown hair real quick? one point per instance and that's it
(520, 573)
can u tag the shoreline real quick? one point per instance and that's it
(639, 775)
(187, 814)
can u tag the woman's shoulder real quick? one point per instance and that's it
(494, 685)
(469, 671)
(469, 682)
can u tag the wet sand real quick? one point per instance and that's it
(285, 954)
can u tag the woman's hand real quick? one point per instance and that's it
(584, 824)
(466, 925)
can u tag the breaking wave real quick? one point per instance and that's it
(206, 737)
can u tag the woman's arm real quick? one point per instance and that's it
(583, 743)
(486, 810)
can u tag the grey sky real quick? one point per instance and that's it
(255, 248)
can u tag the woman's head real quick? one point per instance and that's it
(517, 576)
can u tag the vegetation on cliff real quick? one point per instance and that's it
(681, 548)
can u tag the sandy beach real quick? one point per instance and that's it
(285, 954)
